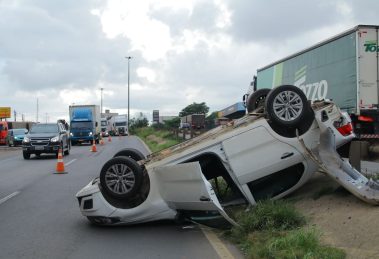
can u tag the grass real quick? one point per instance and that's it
(156, 140)
(275, 229)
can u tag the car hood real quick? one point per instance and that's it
(43, 135)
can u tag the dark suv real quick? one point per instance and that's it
(46, 138)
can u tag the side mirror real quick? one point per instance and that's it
(96, 124)
(26, 131)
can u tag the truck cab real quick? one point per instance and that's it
(84, 124)
(3, 131)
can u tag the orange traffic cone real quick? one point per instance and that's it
(109, 138)
(93, 146)
(60, 165)
(101, 141)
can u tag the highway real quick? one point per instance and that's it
(40, 217)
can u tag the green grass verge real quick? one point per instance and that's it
(275, 229)
(156, 140)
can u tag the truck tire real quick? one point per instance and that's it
(257, 99)
(121, 177)
(288, 110)
(132, 153)
(26, 155)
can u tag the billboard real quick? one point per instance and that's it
(155, 116)
(5, 112)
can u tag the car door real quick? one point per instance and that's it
(184, 188)
(256, 153)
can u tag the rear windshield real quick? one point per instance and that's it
(44, 128)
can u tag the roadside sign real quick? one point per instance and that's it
(5, 112)
(156, 116)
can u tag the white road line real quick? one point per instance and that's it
(8, 197)
(222, 251)
(72, 161)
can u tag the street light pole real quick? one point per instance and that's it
(101, 103)
(129, 57)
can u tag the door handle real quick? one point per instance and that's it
(287, 154)
(203, 198)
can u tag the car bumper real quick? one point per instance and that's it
(41, 149)
(93, 204)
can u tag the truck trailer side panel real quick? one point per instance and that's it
(327, 71)
(368, 50)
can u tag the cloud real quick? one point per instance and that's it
(183, 51)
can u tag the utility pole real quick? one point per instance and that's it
(129, 57)
(37, 110)
(101, 102)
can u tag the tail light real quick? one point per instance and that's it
(365, 118)
(346, 130)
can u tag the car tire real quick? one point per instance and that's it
(67, 151)
(257, 99)
(26, 155)
(132, 153)
(116, 173)
(288, 110)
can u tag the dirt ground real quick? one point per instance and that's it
(345, 221)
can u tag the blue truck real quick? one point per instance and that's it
(85, 123)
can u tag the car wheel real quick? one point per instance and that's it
(121, 177)
(26, 155)
(257, 99)
(288, 109)
(67, 151)
(132, 153)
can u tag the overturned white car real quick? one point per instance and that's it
(266, 154)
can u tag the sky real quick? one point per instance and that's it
(60, 53)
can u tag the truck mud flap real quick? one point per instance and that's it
(340, 170)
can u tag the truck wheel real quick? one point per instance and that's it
(121, 177)
(132, 153)
(26, 155)
(288, 109)
(257, 99)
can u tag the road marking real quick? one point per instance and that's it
(72, 161)
(8, 197)
(222, 251)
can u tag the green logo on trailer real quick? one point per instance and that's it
(371, 46)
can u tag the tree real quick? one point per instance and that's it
(139, 122)
(173, 123)
(194, 108)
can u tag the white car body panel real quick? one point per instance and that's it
(249, 150)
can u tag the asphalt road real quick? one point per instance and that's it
(40, 218)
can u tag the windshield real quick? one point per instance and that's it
(44, 128)
(19, 131)
(120, 124)
(103, 123)
(81, 125)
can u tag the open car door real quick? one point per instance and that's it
(185, 189)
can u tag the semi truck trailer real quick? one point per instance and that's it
(343, 68)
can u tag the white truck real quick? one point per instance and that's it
(121, 125)
(343, 68)
(85, 123)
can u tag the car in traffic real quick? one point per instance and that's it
(46, 138)
(267, 154)
(15, 137)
